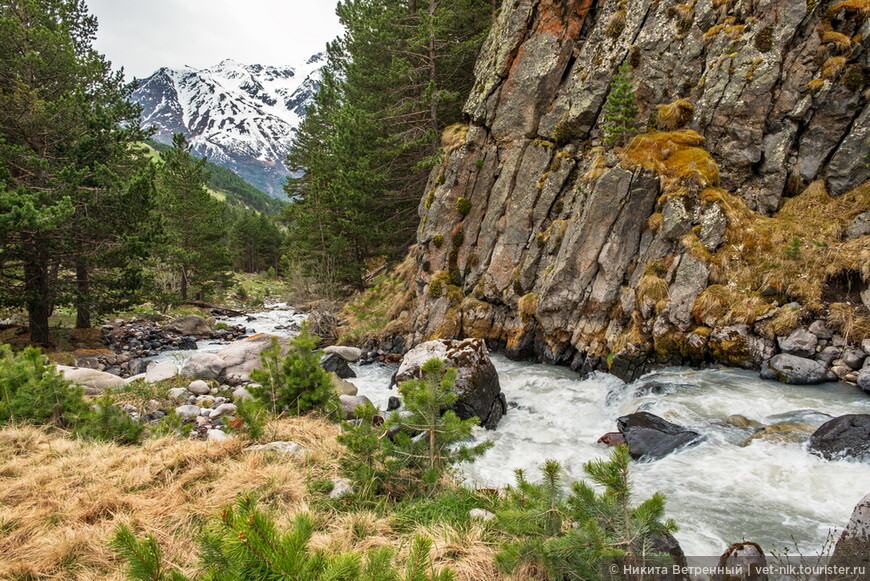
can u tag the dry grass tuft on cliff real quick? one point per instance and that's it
(677, 156)
(61, 499)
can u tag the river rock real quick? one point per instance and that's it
(199, 387)
(224, 408)
(349, 354)
(334, 363)
(192, 325)
(241, 357)
(349, 403)
(854, 358)
(843, 437)
(178, 393)
(477, 382)
(160, 372)
(216, 435)
(240, 394)
(343, 387)
(739, 421)
(188, 411)
(853, 546)
(611, 439)
(821, 330)
(864, 379)
(93, 382)
(205, 366)
(794, 370)
(800, 343)
(786, 433)
(827, 355)
(650, 437)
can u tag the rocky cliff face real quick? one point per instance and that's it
(692, 242)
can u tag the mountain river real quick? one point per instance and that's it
(719, 492)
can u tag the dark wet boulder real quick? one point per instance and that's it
(650, 437)
(337, 364)
(794, 370)
(853, 546)
(843, 437)
(477, 383)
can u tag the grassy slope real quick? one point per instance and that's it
(61, 500)
(228, 187)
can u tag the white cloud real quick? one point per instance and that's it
(143, 36)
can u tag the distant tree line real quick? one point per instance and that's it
(86, 218)
(397, 77)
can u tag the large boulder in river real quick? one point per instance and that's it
(205, 366)
(843, 437)
(241, 357)
(349, 354)
(801, 343)
(192, 325)
(794, 370)
(92, 380)
(477, 382)
(650, 437)
(853, 546)
(337, 364)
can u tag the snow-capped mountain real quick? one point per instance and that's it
(239, 116)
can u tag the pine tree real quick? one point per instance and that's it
(66, 162)
(195, 247)
(427, 441)
(393, 82)
(295, 383)
(620, 109)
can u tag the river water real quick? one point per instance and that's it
(719, 492)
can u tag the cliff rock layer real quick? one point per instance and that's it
(689, 242)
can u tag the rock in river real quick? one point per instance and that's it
(650, 437)
(477, 382)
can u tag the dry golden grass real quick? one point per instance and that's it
(675, 155)
(453, 136)
(674, 115)
(839, 42)
(652, 289)
(833, 66)
(61, 499)
(856, 7)
(797, 249)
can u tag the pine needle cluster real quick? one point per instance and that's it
(576, 536)
(246, 544)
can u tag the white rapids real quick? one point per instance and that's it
(719, 492)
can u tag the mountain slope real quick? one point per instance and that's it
(230, 188)
(239, 116)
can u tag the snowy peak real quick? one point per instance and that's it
(240, 116)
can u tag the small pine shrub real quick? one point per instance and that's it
(793, 250)
(33, 391)
(245, 543)
(426, 441)
(436, 289)
(620, 109)
(251, 417)
(295, 383)
(105, 421)
(604, 525)
(437, 240)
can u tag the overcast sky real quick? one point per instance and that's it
(143, 36)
